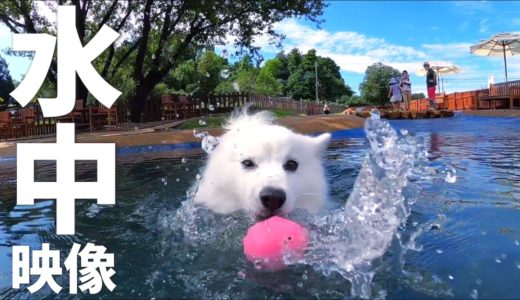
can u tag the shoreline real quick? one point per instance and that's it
(160, 136)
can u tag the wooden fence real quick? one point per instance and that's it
(295, 106)
(454, 101)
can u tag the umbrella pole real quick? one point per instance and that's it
(438, 83)
(505, 62)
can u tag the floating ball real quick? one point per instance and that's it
(266, 242)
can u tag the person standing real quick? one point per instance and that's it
(326, 109)
(394, 92)
(406, 89)
(431, 83)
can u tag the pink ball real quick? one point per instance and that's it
(268, 241)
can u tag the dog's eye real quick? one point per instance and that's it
(248, 164)
(290, 166)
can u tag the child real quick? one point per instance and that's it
(394, 92)
(406, 89)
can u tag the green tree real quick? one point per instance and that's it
(266, 82)
(246, 79)
(298, 87)
(164, 33)
(6, 82)
(418, 96)
(24, 16)
(209, 68)
(353, 100)
(301, 83)
(374, 88)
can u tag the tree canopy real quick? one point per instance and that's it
(162, 34)
(6, 83)
(374, 87)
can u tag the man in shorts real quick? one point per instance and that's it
(431, 83)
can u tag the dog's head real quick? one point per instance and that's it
(264, 169)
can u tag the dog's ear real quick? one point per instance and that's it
(322, 142)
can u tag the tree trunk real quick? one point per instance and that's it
(138, 102)
(81, 91)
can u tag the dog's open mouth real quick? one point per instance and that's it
(264, 215)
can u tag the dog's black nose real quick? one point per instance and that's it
(272, 198)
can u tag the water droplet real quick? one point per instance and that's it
(136, 128)
(450, 277)
(164, 181)
(187, 169)
(474, 294)
(304, 277)
(183, 160)
(300, 284)
(258, 265)
(198, 177)
(224, 73)
(177, 179)
(517, 243)
(209, 143)
(207, 74)
(374, 114)
(498, 260)
(439, 251)
(478, 281)
(218, 104)
(404, 131)
(202, 122)
(211, 107)
(518, 265)
(450, 178)
(241, 275)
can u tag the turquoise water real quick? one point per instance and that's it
(467, 242)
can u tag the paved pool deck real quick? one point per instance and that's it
(165, 132)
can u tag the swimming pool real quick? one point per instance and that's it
(470, 248)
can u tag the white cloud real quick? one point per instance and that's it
(352, 51)
(447, 51)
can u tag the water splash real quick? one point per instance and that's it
(350, 239)
(209, 142)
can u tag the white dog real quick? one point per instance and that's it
(264, 169)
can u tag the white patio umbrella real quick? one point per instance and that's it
(501, 44)
(441, 68)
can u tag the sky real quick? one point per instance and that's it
(402, 34)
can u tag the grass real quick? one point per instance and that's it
(219, 120)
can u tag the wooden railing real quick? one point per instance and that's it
(295, 106)
(505, 88)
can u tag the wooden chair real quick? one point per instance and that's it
(77, 115)
(5, 125)
(505, 93)
(99, 115)
(28, 117)
(168, 109)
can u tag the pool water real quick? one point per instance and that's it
(466, 233)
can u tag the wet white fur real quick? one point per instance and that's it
(227, 187)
